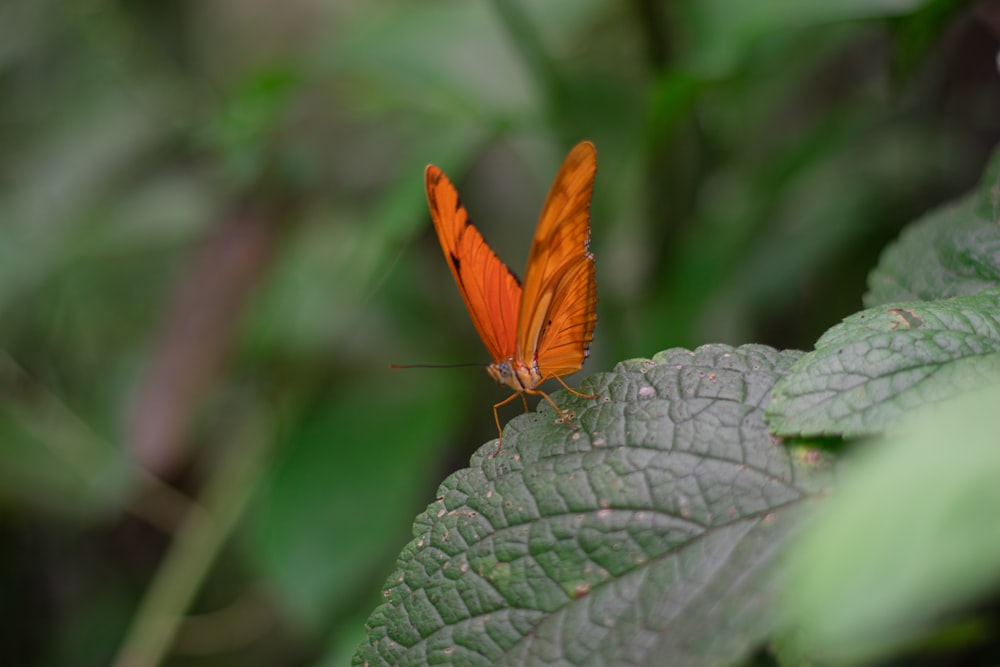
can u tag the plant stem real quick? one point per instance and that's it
(202, 533)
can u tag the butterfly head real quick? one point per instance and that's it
(514, 374)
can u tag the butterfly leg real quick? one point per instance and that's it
(573, 391)
(496, 417)
(563, 414)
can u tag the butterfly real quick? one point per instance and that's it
(541, 329)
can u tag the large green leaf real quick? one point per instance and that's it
(951, 251)
(643, 536)
(910, 536)
(875, 366)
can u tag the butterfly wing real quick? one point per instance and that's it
(491, 292)
(558, 308)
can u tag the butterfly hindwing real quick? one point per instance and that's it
(564, 340)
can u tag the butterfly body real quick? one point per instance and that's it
(542, 329)
(514, 374)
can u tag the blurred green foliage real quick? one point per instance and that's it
(930, 556)
(213, 240)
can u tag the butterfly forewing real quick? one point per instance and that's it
(491, 292)
(558, 309)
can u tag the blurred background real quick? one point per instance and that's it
(214, 240)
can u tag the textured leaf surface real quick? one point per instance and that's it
(930, 545)
(952, 251)
(875, 366)
(646, 533)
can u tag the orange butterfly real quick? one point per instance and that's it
(543, 329)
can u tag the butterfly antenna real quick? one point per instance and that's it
(466, 365)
